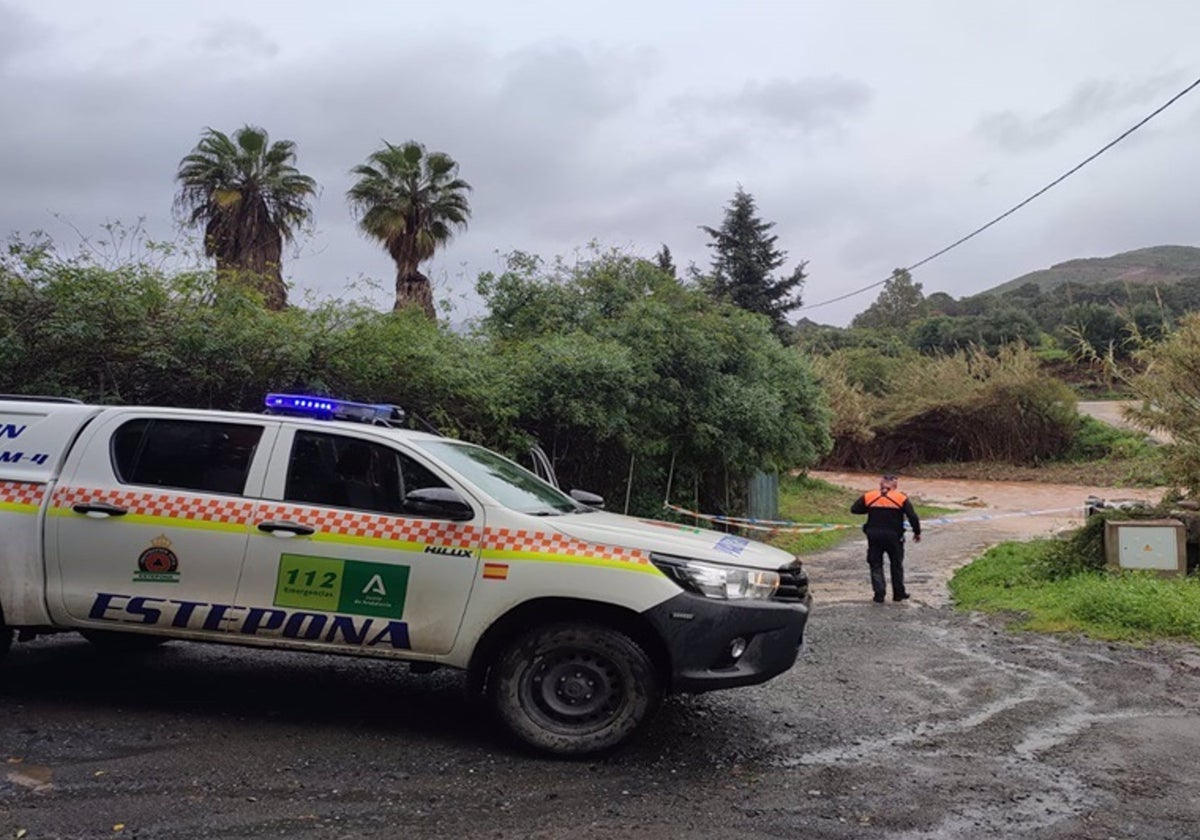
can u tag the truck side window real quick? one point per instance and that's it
(198, 455)
(340, 471)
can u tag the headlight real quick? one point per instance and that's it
(716, 580)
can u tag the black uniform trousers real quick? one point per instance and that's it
(879, 544)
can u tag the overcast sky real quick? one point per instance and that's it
(871, 133)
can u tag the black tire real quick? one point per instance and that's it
(573, 688)
(6, 636)
(111, 641)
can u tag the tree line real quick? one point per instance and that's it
(638, 386)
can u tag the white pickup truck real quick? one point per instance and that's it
(317, 526)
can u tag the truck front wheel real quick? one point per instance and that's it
(574, 688)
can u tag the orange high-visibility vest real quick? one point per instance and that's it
(894, 499)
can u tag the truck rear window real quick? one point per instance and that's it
(208, 457)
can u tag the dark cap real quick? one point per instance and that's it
(889, 477)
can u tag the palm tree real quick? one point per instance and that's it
(250, 198)
(411, 201)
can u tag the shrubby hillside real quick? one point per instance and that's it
(1076, 311)
(1159, 265)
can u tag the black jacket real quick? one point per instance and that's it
(886, 513)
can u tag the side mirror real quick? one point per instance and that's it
(589, 499)
(439, 502)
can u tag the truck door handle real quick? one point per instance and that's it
(99, 510)
(286, 529)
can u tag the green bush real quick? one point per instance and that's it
(1169, 389)
(1095, 440)
(870, 370)
(1052, 354)
(635, 383)
(136, 334)
(966, 406)
(1083, 550)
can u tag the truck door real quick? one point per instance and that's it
(338, 560)
(149, 524)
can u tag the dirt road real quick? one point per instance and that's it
(901, 721)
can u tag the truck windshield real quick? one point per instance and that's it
(510, 484)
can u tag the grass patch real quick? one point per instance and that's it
(1123, 456)
(1130, 606)
(806, 499)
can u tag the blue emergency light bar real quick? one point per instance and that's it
(328, 408)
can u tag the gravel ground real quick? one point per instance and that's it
(900, 721)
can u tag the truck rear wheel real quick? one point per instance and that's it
(574, 688)
(6, 636)
(111, 641)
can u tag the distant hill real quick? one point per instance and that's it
(1162, 265)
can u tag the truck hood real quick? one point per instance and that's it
(671, 538)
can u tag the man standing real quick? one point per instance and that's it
(886, 510)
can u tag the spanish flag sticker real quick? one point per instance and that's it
(495, 571)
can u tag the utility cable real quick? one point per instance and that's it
(1018, 206)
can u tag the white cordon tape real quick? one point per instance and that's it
(772, 525)
(781, 526)
(986, 517)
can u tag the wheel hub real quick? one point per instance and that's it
(575, 687)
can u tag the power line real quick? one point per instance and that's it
(1018, 206)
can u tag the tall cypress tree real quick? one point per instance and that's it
(745, 259)
(665, 262)
(899, 303)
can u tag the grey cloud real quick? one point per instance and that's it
(525, 127)
(562, 83)
(1015, 132)
(523, 124)
(19, 34)
(232, 38)
(803, 104)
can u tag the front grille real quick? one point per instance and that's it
(793, 583)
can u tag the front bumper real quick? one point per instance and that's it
(699, 631)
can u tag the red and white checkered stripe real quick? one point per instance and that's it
(328, 521)
(166, 505)
(505, 539)
(375, 526)
(21, 492)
